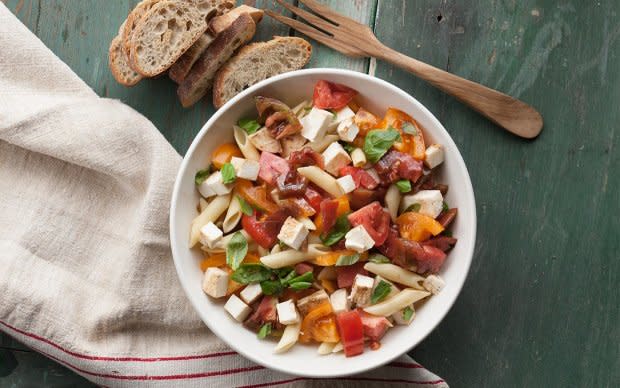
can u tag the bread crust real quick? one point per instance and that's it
(115, 56)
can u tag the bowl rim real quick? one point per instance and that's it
(460, 163)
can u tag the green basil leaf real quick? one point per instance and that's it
(288, 277)
(271, 287)
(300, 285)
(347, 146)
(264, 331)
(306, 277)
(251, 273)
(202, 175)
(378, 142)
(378, 258)
(404, 185)
(340, 228)
(249, 125)
(413, 208)
(407, 313)
(347, 260)
(409, 128)
(445, 207)
(246, 208)
(380, 292)
(228, 173)
(236, 250)
(283, 245)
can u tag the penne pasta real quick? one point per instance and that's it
(392, 201)
(245, 145)
(326, 348)
(211, 213)
(285, 258)
(338, 348)
(397, 302)
(233, 216)
(321, 144)
(321, 179)
(289, 338)
(299, 109)
(316, 250)
(262, 251)
(276, 248)
(314, 238)
(202, 204)
(396, 274)
(358, 157)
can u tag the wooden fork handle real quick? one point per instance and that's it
(509, 113)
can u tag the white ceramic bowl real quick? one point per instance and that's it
(375, 95)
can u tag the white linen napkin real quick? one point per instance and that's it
(86, 271)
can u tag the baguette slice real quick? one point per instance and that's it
(200, 77)
(183, 65)
(119, 65)
(165, 32)
(258, 61)
(132, 20)
(220, 23)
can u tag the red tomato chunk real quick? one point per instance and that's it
(374, 326)
(374, 219)
(346, 274)
(265, 232)
(271, 166)
(360, 177)
(351, 332)
(329, 95)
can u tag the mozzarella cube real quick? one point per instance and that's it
(433, 156)
(361, 290)
(215, 282)
(315, 124)
(347, 130)
(358, 239)
(399, 316)
(263, 140)
(335, 158)
(358, 157)
(434, 284)
(311, 301)
(205, 190)
(210, 234)
(237, 309)
(216, 184)
(251, 293)
(344, 114)
(245, 169)
(430, 201)
(339, 301)
(287, 313)
(293, 233)
(346, 183)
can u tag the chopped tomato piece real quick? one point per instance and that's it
(256, 196)
(305, 157)
(430, 260)
(413, 144)
(361, 197)
(314, 198)
(351, 332)
(445, 243)
(224, 153)
(272, 166)
(319, 325)
(398, 165)
(446, 217)
(412, 255)
(343, 208)
(346, 274)
(265, 232)
(216, 260)
(328, 285)
(264, 313)
(328, 214)
(330, 258)
(417, 227)
(365, 122)
(302, 268)
(374, 219)
(360, 177)
(330, 95)
(374, 326)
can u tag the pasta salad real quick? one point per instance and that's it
(323, 223)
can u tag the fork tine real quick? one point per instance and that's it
(326, 12)
(310, 18)
(313, 33)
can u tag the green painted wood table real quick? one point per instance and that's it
(541, 306)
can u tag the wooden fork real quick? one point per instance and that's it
(357, 40)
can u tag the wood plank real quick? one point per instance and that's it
(540, 307)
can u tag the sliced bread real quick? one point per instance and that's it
(132, 20)
(182, 66)
(165, 32)
(220, 23)
(119, 65)
(258, 61)
(200, 78)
